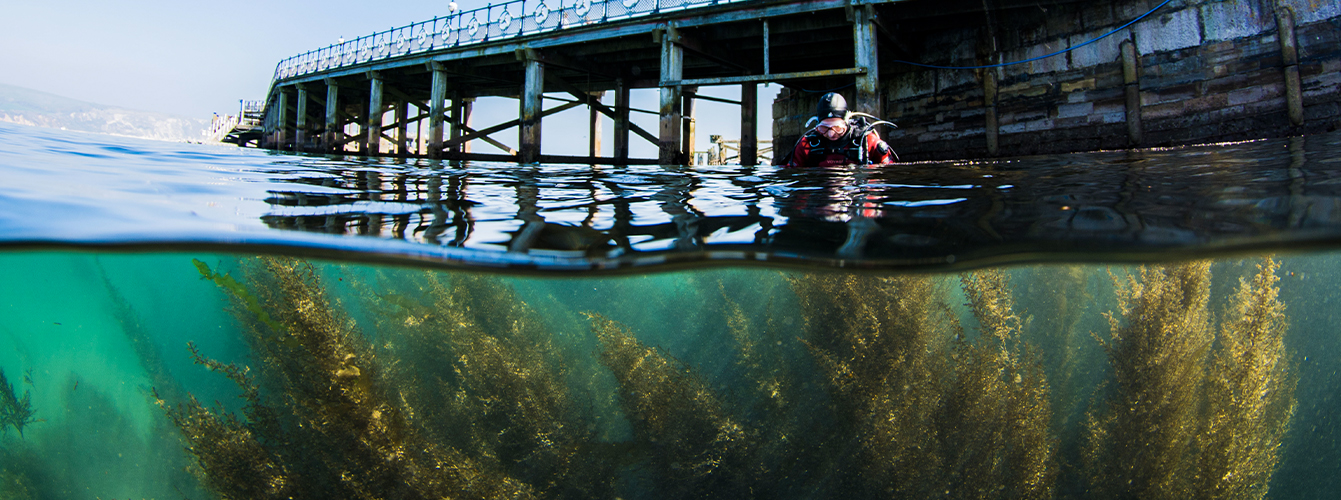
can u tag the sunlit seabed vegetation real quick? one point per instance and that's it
(248, 377)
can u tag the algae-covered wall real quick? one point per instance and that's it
(1194, 72)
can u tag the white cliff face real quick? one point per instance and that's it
(29, 107)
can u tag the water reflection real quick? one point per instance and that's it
(1108, 205)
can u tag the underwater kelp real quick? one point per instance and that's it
(1142, 441)
(929, 411)
(485, 377)
(1183, 420)
(993, 422)
(692, 441)
(1250, 392)
(15, 412)
(18, 462)
(452, 386)
(321, 420)
(881, 345)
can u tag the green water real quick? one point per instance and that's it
(727, 385)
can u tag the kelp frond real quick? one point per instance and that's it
(1142, 441)
(16, 412)
(1250, 392)
(993, 424)
(881, 347)
(340, 432)
(691, 439)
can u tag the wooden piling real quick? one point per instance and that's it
(532, 106)
(621, 146)
(1289, 53)
(334, 125)
(373, 140)
(687, 132)
(436, 101)
(402, 127)
(594, 131)
(1132, 86)
(865, 49)
(461, 111)
(300, 127)
(672, 68)
(992, 128)
(749, 124)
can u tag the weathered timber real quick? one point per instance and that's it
(749, 136)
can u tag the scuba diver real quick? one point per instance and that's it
(841, 138)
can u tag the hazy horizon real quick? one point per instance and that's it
(192, 60)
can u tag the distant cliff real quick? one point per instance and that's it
(31, 107)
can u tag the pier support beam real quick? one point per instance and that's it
(333, 135)
(1132, 86)
(749, 124)
(594, 131)
(461, 110)
(300, 128)
(436, 100)
(1289, 54)
(621, 146)
(672, 68)
(687, 134)
(532, 105)
(992, 129)
(282, 127)
(865, 48)
(402, 128)
(373, 140)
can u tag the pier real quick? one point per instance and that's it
(963, 78)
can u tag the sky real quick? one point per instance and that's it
(197, 58)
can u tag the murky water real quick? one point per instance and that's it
(187, 321)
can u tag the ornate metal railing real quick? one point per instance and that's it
(493, 22)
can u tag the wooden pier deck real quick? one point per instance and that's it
(364, 95)
(1003, 77)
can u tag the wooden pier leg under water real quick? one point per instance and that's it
(749, 124)
(437, 98)
(334, 125)
(283, 120)
(621, 147)
(865, 48)
(594, 131)
(1132, 85)
(461, 110)
(672, 68)
(989, 102)
(300, 128)
(687, 134)
(1289, 54)
(402, 128)
(373, 140)
(532, 105)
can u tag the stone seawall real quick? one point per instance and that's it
(1194, 72)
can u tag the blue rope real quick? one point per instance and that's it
(827, 91)
(1119, 28)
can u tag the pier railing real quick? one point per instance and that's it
(493, 22)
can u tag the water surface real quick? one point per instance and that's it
(188, 321)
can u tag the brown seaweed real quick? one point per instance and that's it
(692, 441)
(993, 424)
(1142, 440)
(1250, 393)
(15, 412)
(336, 430)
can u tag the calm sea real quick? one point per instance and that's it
(198, 321)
